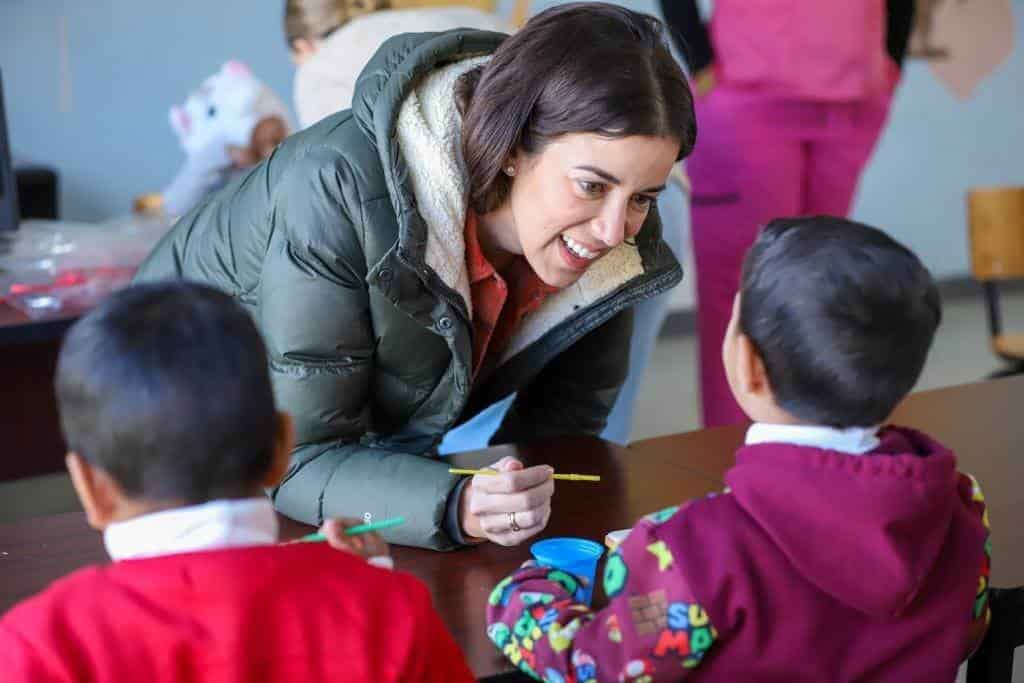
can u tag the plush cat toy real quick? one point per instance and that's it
(230, 123)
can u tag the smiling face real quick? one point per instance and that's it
(578, 199)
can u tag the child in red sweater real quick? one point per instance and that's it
(167, 408)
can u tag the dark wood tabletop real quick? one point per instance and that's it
(18, 328)
(978, 420)
(28, 409)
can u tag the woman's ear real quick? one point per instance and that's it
(99, 494)
(283, 444)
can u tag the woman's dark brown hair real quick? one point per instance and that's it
(576, 68)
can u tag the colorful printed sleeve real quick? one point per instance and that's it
(981, 614)
(652, 628)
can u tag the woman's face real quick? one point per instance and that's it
(580, 198)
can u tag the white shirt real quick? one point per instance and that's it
(214, 525)
(854, 440)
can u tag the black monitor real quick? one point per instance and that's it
(9, 215)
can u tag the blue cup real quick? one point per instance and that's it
(577, 557)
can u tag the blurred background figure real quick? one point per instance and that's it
(332, 40)
(791, 99)
(229, 124)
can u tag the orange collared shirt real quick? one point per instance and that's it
(499, 304)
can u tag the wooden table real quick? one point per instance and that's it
(18, 328)
(979, 420)
(28, 409)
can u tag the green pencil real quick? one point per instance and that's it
(360, 529)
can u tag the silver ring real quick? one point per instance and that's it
(512, 522)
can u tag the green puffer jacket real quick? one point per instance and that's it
(347, 248)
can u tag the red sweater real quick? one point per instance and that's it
(299, 612)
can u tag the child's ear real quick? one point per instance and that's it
(753, 378)
(98, 493)
(283, 444)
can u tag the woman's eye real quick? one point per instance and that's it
(643, 202)
(590, 188)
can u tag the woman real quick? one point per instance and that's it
(477, 225)
(792, 97)
(332, 40)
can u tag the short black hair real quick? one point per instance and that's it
(842, 315)
(165, 386)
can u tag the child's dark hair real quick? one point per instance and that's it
(165, 386)
(842, 315)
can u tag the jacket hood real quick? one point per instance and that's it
(894, 505)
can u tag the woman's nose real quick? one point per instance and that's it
(610, 226)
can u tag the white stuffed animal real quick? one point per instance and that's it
(230, 123)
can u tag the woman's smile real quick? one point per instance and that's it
(576, 255)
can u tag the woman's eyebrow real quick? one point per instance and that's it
(604, 175)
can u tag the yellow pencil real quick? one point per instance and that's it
(577, 477)
(566, 477)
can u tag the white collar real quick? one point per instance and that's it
(854, 440)
(216, 524)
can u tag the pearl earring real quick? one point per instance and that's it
(510, 170)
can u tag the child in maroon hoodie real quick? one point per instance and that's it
(166, 404)
(840, 550)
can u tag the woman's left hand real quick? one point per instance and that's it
(510, 506)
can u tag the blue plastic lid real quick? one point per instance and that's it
(555, 550)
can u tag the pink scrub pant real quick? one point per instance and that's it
(757, 158)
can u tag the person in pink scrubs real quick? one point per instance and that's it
(791, 99)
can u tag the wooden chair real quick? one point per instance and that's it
(996, 223)
(993, 662)
(520, 11)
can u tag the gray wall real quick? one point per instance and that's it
(935, 148)
(127, 63)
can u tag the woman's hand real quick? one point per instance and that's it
(369, 546)
(509, 507)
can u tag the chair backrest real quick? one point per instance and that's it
(517, 19)
(996, 224)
